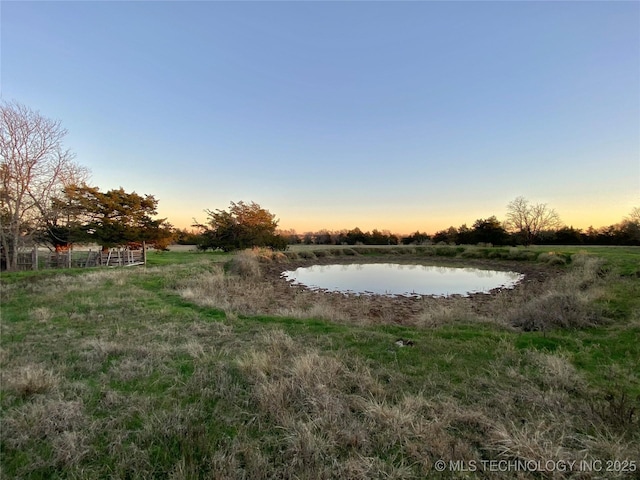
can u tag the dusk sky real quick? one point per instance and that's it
(392, 115)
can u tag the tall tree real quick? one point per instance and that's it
(112, 218)
(242, 226)
(35, 168)
(489, 231)
(528, 220)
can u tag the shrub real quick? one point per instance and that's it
(617, 409)
(475, 253)
(447, 251)
(555, 310)
(521, 255)
(552, 258)
(262, 254)
(244, 264)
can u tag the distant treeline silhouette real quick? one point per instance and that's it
(483, 231)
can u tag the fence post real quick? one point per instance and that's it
(34, 258)
(144, 253)
(69, 257)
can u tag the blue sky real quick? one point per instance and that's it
(388, 115)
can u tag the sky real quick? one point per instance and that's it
(400, 116)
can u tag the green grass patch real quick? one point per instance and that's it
(114, 373)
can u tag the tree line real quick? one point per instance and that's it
(45, 199)
(485, 231)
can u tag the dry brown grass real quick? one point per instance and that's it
(61, 423)
(565, 301)
(437, 312)
(41, 314)
(246, 264)
(328, 407)
(30, 379)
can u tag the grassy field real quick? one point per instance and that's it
(193, 367)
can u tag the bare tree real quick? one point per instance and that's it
(634, 216)
(35, 167)
(529, 219)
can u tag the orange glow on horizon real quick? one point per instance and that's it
(407, 226)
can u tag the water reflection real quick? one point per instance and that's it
(396, 279)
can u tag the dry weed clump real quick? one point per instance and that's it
(41, 314)
(70, 448)
(46, 418)
(245, 264)
(537, 441)
(435, 313)
(556, 372)
(30, 380)
(208, 289)
(265, 254)
(552, 259)
(555, 310)
(322, 308)
(129, 368)
(567, 301)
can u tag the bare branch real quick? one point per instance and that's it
(529, 220)
(35, 168)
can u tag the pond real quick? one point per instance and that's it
(397, 279)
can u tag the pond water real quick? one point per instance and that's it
(397, 279)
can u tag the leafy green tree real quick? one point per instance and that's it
(416, 238)
(449, 235)
(112, 218)
(567, 236)
(464, 235)
(242, 226)
(355, 236)
(324, 237)
(187, 237)
(382, 238)
(489, 230)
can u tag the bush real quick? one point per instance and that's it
(552, 258)
(498, 253)
(521, 255)
(245, 264)
(555, 310)
(475, 253)
(448, 251)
